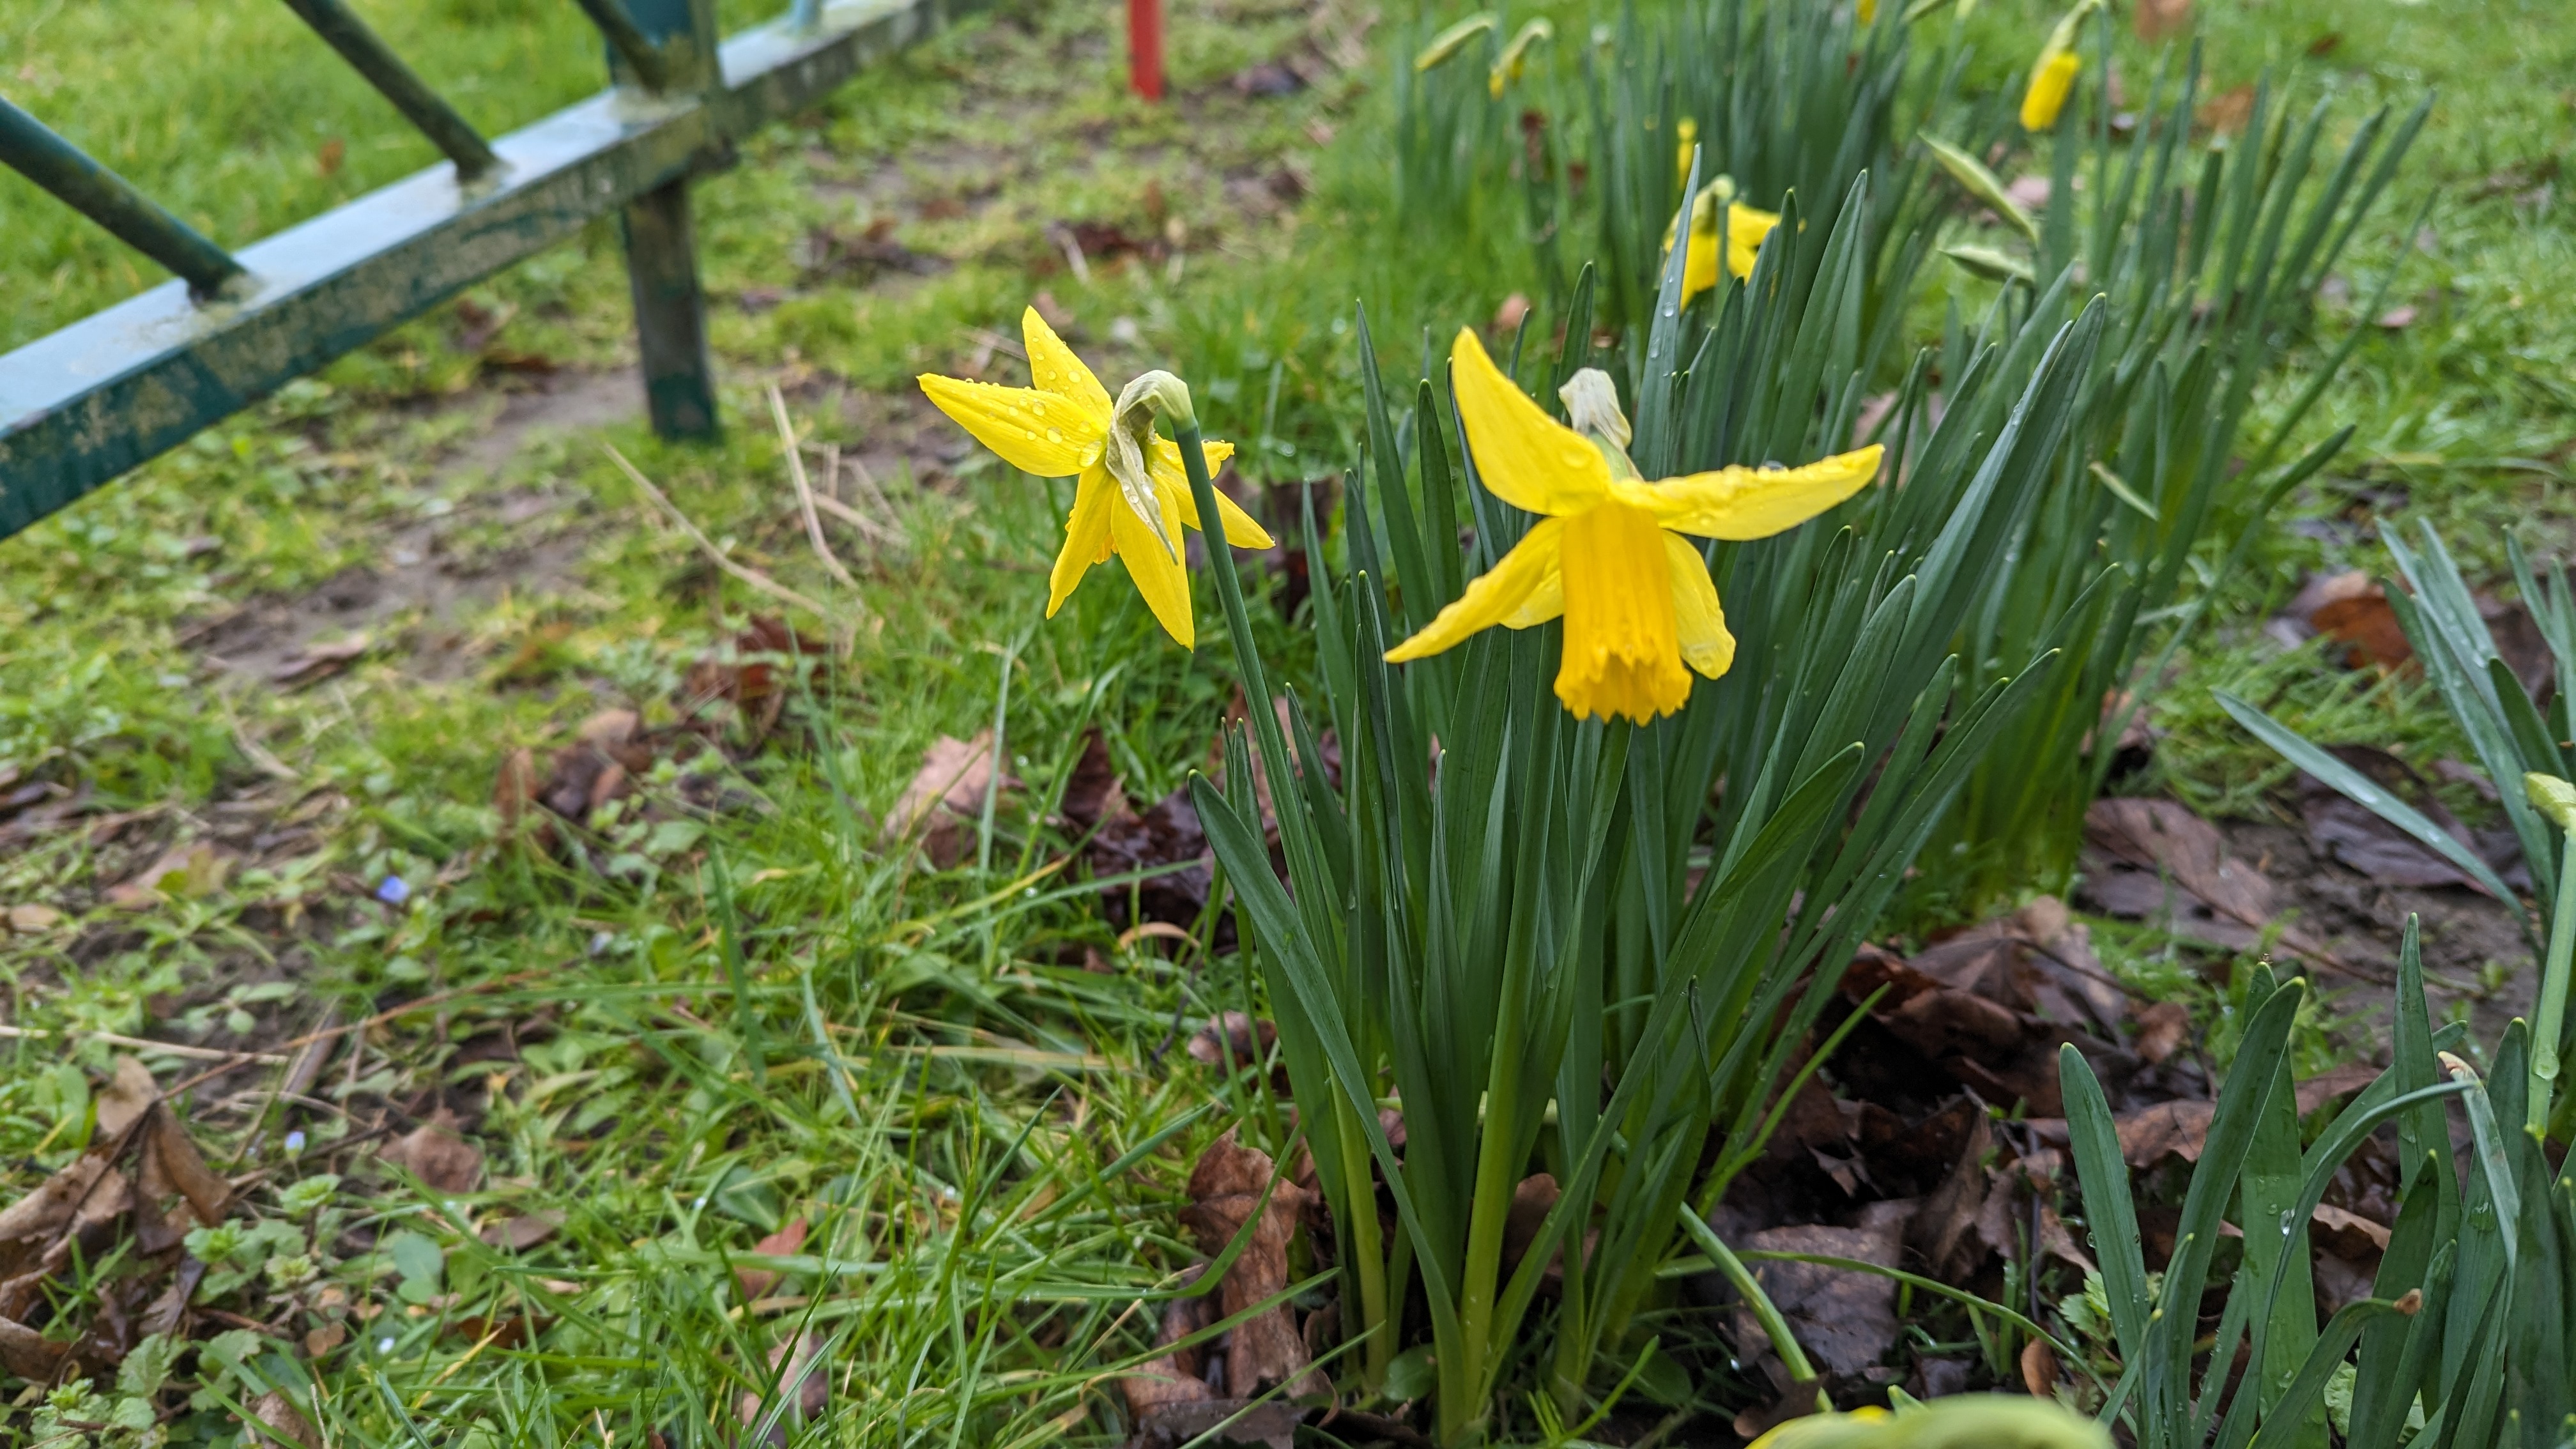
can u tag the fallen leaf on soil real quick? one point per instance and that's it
(1177, 1377)
(2348, 1234)
(1233, 1039)
(2397, 318)
(2039, 1369)
(812, 1386)
(1272, 1425)
(2167, 1129)
(434, 1153)
(2227, 112)
(2163, 1027)
(318, 661)
(29, 1355)
(1845, 1319)
(523, 1231)
(2355, 835)
(2165, 838)
(944, 803)
(1093, 793)
(1943, 1229)
(2333, 1086)
(1225, 1191)
(278, 1415)
(2156, 19)
(190, 872)
(2354, 611)
(756, 1282)
(33, 920)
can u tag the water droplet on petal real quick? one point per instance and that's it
(1055, 435)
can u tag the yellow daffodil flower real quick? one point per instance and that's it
(1131, 497)
(1607, 553)
(2052, 76)
(1969, 1421)
(1868, 11)
(1746, 226)
(1685, 141)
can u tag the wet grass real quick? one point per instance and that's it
(770, 1016)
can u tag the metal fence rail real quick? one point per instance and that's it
(85, 404)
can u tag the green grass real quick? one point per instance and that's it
(916, 1062)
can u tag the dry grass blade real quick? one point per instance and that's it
(805, 492)
(706, 545)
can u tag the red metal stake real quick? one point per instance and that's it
(1145, 48)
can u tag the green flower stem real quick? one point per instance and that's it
(1783, 1342)
(2553, 993)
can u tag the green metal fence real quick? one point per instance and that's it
(83, 405)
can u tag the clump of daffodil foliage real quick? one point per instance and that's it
(1586, 881)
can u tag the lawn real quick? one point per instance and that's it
(658, 964)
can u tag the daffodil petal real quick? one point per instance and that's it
(1746, 229)
(1054, 368)
(1514, 593)
(2050, 80)
(1035, 432)
(1525, 457)
(1165, 463)
(1086, 535)
(1698, 622)
(1699, 269)
(1622, 647)
(1158, 575)
(1742, 503)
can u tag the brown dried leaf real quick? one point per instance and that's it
(1177, 1377)
(2348, 1235)
(434, 1153)
(2167, 1129)
(1092, 793)
(318, 660)
(1225, 1190)
(27, 1354)
(945, 796)
(2039, 1369)
(277, 1413)
(756, 1282)
(2156, 19)
(127, 1096)
(521, 1232)
(812, 1382)
(2227, 113)
(191, 872)
(2163, 1027)
(1846, 1319)
(2163, 836)
(1232, 1039)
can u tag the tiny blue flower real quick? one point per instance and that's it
(394, 891)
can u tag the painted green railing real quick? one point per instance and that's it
(83, 405)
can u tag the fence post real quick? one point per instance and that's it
(661, 240)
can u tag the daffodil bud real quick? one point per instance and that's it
(1592, 409)
(2554, 798)
(1449, 42)
(1131, 438)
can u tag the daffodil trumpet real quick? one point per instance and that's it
(1610, 553)
(1131, 493)
(1746, 229)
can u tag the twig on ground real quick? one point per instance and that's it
(715, 555)
(144, 1044)
(805, 494)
